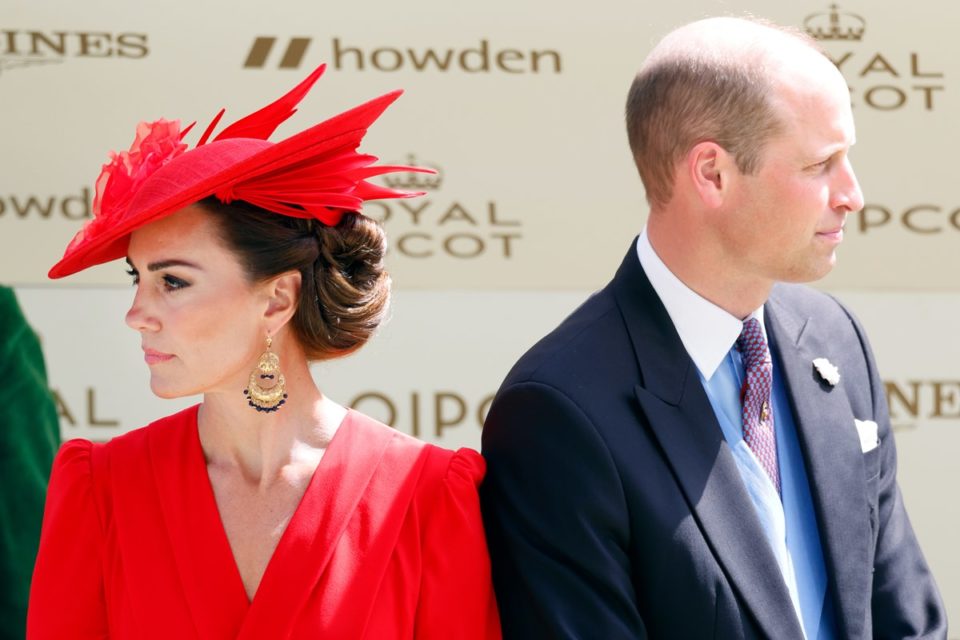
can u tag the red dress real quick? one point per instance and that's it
(387, 542)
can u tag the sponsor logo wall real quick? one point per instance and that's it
(519, 108)
(524, 120)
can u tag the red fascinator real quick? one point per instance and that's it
(316, 173)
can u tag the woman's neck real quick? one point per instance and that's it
(265, 446)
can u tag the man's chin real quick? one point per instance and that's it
(811, 272)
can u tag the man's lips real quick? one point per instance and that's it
(835, 234)
(151, 356)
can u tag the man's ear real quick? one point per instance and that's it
(710, 168)
(283, 296)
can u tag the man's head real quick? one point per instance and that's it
(740, 131)
(709, 80)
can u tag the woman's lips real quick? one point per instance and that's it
(153, 357)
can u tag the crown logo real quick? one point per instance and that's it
(835, 25)
(411, 181)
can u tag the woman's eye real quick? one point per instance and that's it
(133, 273)
(172, 283)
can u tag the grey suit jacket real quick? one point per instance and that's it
(614, 508)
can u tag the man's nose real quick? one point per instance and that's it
(847, 195)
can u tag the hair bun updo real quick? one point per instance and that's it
(345, 289)
(351, 286)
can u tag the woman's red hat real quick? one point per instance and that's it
(316, 173)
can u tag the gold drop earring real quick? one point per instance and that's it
(266, 390)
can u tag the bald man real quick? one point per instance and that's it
(703, 448)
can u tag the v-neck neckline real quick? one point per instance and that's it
(210, 578)
(204, 569)
(221, 538)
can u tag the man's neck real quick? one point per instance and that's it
(696, 261)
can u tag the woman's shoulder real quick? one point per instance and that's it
(463, 466)
(88, 473)
(75, 486)
(73, 459)
(172, 426)
(80, 459)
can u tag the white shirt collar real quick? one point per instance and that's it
(707, 331)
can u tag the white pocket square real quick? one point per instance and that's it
(867, 430)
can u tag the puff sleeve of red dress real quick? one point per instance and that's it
(70, 545)
(456, 597)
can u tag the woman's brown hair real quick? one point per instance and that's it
(345, 288)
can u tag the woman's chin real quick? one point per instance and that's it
(164, 390)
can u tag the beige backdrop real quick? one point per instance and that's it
(519, 106)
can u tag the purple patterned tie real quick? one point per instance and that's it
(755, 398)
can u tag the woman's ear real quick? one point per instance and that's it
(283, 296)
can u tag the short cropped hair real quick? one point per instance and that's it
(680, 100)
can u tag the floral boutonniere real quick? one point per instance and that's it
(828, 372)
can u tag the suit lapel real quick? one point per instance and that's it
(683, 421)
(834, 462)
